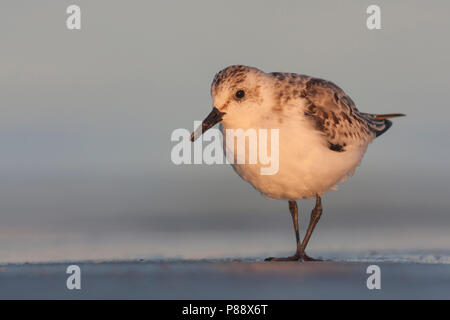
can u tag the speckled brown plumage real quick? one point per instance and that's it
(327, 106)
(230, 76)
(330, 110)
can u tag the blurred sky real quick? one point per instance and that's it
(86, 119)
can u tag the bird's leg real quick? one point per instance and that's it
(293, 209)
(315, 216)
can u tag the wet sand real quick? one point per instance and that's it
(222, 279)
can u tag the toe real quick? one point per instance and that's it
(305, 257)
(291, 258)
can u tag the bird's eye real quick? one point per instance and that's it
(240, 94)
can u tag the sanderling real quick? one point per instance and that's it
(322, 135)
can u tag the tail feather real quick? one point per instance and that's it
(388, 115)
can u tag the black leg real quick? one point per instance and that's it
(315, 216)
(293, 209)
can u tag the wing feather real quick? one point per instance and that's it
(334, 113)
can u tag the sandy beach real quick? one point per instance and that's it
(225, 279)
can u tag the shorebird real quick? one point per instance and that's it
(322, 135)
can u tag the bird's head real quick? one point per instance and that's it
(237, 93)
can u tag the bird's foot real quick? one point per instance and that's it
(305, 257)
(291, 258)
(297, 257)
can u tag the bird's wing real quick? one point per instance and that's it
(334, 113)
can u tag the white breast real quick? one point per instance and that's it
(307, 166)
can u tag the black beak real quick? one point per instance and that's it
(213, 117)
